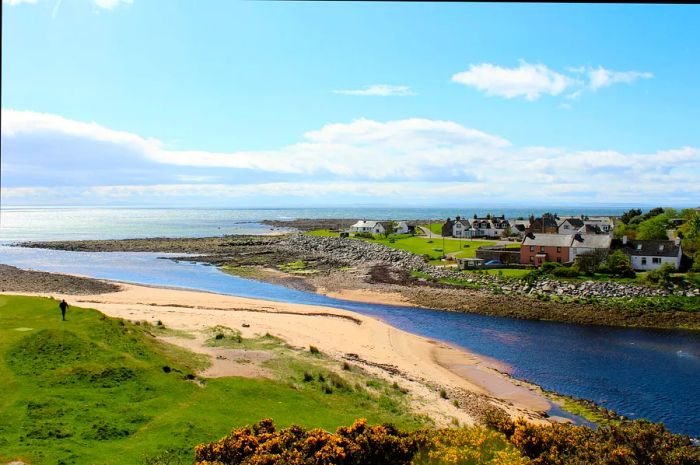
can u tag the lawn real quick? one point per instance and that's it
(421, 245)
(435, 228)
(516, 273)
(94, 390)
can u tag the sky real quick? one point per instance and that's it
(302, 104)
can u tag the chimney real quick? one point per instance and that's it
(624, 240)
(458, 218)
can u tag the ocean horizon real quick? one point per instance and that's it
(82, 223)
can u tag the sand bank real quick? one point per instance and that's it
(424, 366)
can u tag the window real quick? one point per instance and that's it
(541, 249)
(532, 249)
(531, 258)
(655, 260)
(558, 259)
(644, 260)
(558, 249)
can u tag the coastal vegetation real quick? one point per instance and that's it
(96, 389)
(503, 443)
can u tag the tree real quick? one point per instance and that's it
(618, 264)
(588, 263)
(389, 229)
(628, 215)
(653, 228)
(652, 213)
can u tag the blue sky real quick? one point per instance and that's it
(113, 102)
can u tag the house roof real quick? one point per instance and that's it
(575, 222)
(652, 248)
(593, 241)
(590, 229)
(548, 240)
(364, 224)
(546, 222)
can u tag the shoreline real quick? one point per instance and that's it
(368, 273)
(427, 366)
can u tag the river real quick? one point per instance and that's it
(639, 373)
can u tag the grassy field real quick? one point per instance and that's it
(422, 245)
(94, 390)
(435, 228)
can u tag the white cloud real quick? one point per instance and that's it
(17, 2)
(527, 80)
(398, 161)
(533, 81)
(378, 90)
(110, 4)
(602, 77)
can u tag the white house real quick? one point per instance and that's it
(489, 227)
(650, 255)
(589, 243)
(372, 227)
(378, 227)
(570, 225)
(462, 228)
(401, 227)
(585, 225)
(519, 227)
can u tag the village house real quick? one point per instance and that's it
(401, 227)
(380, 227)
(570, 225)
(448, 227)
(546, 224)
(652, 254)
(371, 227)
(462, 228)
(539, 248)
(519, 227)
(594, 244)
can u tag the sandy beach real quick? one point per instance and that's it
(421, 365)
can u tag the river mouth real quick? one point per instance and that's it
(639, 373)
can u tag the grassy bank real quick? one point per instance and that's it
(99, 390)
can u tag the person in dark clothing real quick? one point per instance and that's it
(63, 306)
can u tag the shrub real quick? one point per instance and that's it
(443, 393)
(308, 377)
(548, 267)
(314, 350)
(565, 272)
(661, 276)
(354, 445)
(618, 264)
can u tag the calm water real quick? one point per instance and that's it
(639, 373)
(32, 223)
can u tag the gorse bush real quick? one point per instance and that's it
(503, 442)
(358, 444)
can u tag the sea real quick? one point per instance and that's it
(78, 223)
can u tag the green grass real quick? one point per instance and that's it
(422, 245)
(323, 233)
(93, 390)
(435, 228)
(515, 273)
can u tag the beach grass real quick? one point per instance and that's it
(96, 389)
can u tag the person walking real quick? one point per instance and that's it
(63, 306)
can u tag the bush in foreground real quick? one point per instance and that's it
(504, 442)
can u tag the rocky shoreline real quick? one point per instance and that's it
(333, 264)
